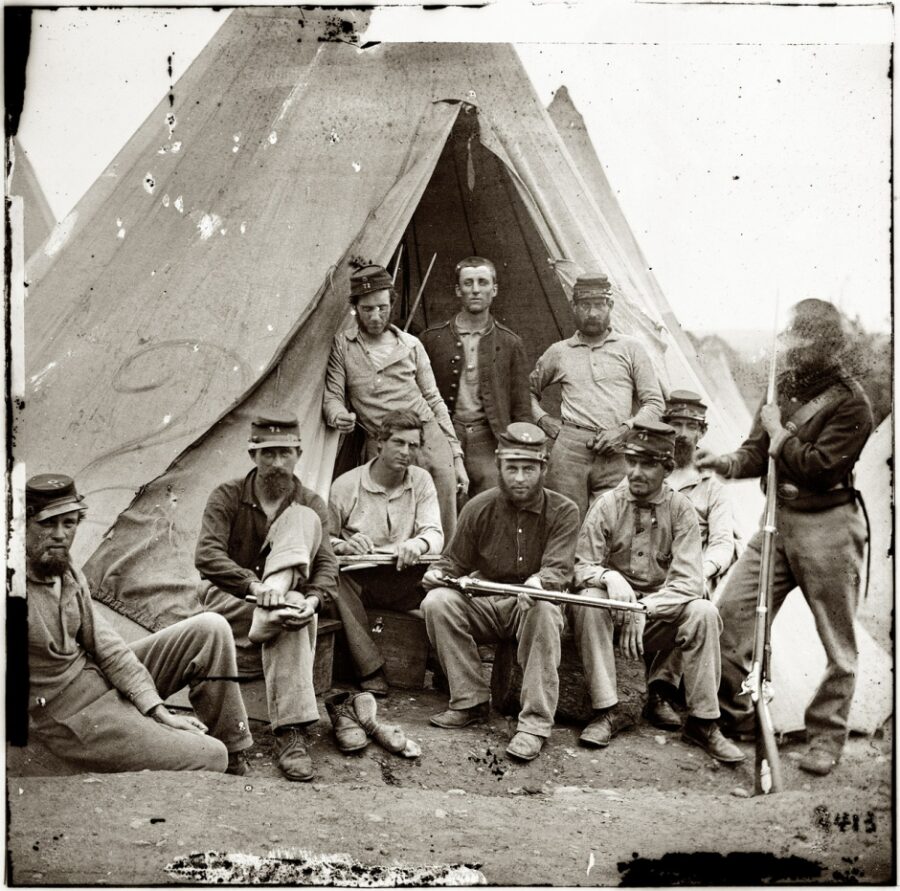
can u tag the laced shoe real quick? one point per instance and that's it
(293, 753)
(708, 736)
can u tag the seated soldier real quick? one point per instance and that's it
(686, 414)
(262, 535)
(95, 702)
(386, 506)
(520, 533)
(641, 542)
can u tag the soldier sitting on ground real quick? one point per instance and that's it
(385, 506)
(96, 702)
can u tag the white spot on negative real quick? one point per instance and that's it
(149, 183)
(357, 166)
(237, 137)
(235, 149)
(222, 231)
(269, 328)
(171, 121)
(333, 136)
(120, 233)
(118, 222)
(165, 200)
(166, 419)
(243, 228)
(176, 148)
(179, 204)
(273, 138)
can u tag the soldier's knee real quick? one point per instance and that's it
(213, 755)
(545, 613)
(703, 612)
(440, 601)
(211, 625)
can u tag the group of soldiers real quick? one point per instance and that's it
(613, 495)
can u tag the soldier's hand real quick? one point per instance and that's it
(720, 464)
(296, 615)
(607, 440)
(631, 636)
(617, 587)
(433, 578)
(524, 602)
(358, 543)
(267, 597)
(345, 422)
(770, 418)
(550, 425)
(409, 551)
(462, 478)
(162, 715)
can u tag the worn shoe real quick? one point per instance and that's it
(461, 717)
(708, 736)
(348, 734)
(525, 746)
(376, 684)
(238, 764)
(819, 759)
(741, 733)
(601, 730)
(293, 753)
(660, 713)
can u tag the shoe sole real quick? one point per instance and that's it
(520, 757)
(659, 725)
(700, 745)
(348, 749)
(593, 743)
(816, 771)
(443, 726)
(297, 779)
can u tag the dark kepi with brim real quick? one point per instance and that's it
(274, 430)
(50, 494)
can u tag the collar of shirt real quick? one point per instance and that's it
(577, 339)
(352, 333)
(370, 485)
(692, 477)
(457, 330)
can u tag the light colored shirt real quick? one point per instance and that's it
(401, 380)
(66, 637)
(599, 383)
(709, 496)
(469, 404)
(655, 544)
(358, 504)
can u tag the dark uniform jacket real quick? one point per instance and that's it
(815, 463)
(502, 371)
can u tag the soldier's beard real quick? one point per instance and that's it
(276, 484)
(684, 452)
(52, 564)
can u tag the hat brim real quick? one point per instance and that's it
(683, 416)
(66, 507)
(520, 454)
(275, 444)
(652, 456)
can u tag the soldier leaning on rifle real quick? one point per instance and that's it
(686, 414)
(641, 542)
(480, 368)
(816, 431)
(517, 533)
(95, 701)
(602, 373)
(385, 506)
(378, 368)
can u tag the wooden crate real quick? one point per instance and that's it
(403, 642)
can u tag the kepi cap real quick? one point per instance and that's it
(684, 404)
(522, 440)
(591, 284)
(274, 430)
(50, 494)
(368, 280)
(650, 439)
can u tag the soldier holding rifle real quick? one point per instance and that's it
(387, 506)
(815, 429)
(518, 532)
(641, 541)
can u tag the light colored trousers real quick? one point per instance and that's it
(692, 626)
(577, 472)
(436, 457)
(92, 726)
(822, 552)
(457, 624)
(479, 447)
(286, 661)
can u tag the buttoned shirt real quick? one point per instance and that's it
(376, 385)
(654, 544)
(469, 404)
(506, 543)
(599, 382)
(359, 504)
(66, 637)
(714, 513)
(231, 551)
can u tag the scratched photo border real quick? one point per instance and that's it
(640, 24)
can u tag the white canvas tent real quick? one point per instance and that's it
(39, 218)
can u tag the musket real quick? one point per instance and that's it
(397, 264)
(415, 305)
(350, 562)
(475, 587)
(767, 775)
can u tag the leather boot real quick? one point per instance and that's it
(461, 717)
(659, 712)
(348, 733)
(389, 736)
(707, 735)
(293, 753)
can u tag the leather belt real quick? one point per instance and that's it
(581, 427)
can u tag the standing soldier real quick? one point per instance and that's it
(602, 374)
(686, 414)
(480, 369)
(522, 533)
(379, 368)
(815, 431)
(641, 542)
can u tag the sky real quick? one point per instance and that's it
(749, 146)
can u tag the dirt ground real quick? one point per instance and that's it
(647, 810)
